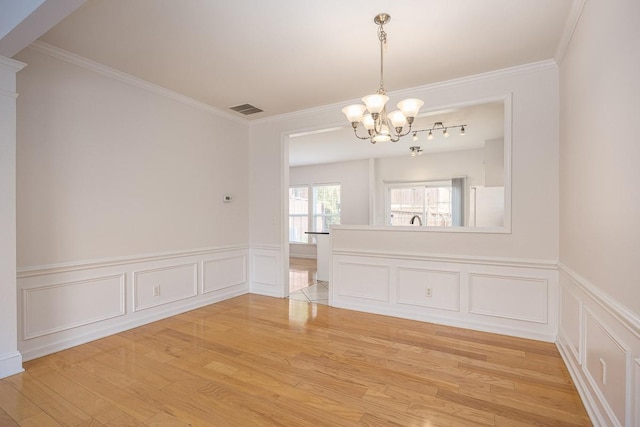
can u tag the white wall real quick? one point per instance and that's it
(109, 169)
(600, 98)
(353, 178)
(534, 170)
(599, 209)
(120, 213)
(10, 358)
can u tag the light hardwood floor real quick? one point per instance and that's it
(255, 360)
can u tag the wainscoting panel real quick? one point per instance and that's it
(155, 287)
(571, 322)
(515, 298)
(363, 281)
(65, 305)
(429, 288)
(606, 366)
(519, 298)
(267, 271)
(224, 272)
(599, 340)
(74, 304)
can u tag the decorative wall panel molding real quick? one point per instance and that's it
(267, 273)
(606, 366)
(415, 283)
(601, 362)
(571, 321)
(223, 272)
(499, 296)
(508, 297)
(159, 286)
(368, 281)
(55, 308)
(62, 306)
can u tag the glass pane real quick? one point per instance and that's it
(326, 206)
(298, 214)
(438, 206)
(405, 204)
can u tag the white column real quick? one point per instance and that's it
(10, 357)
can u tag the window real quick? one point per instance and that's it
(431, 204)
(298, 214)
(318, 213)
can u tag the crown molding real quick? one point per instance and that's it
(80, 61)
(569, 29)
(545, 65)
(11, 64)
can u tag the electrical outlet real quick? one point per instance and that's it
(156, 290)
(428, 292)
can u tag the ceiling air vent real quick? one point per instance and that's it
(246, 109)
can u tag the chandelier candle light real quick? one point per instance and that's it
(373, 115)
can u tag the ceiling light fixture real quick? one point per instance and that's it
(415, 151)
(379, 125)
(439, 126)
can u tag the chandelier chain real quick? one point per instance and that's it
(382, 36)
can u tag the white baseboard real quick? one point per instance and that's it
(10, 364)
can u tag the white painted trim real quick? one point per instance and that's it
(593, 383)
(104, 70)
(25, 272)
(138, 321)
(138, 307)
(569, 29)
(473, 324)
(8, 94)
(10, 364)
(533, 67)
(575, 372)
(621, 313)
(25, 309)
(577, 352)
(544, 320)
(461, 259)
(11, 64)
(456, 273)
(209, 261)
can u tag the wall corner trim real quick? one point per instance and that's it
(613, 307)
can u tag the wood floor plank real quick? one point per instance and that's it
(6, 420)
(55, 406)
(17, 405)
(260, 361)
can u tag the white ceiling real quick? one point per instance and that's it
(289, 55)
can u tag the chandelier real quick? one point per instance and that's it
(380, 125)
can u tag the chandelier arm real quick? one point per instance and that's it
(355, 132)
